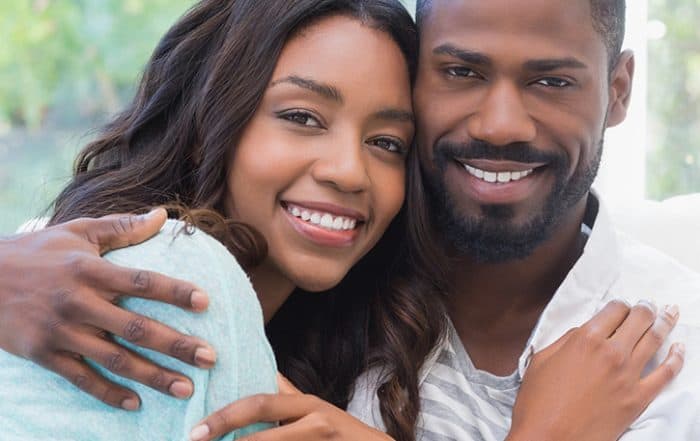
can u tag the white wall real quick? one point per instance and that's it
(623, 172)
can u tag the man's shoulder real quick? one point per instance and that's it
(647, 273)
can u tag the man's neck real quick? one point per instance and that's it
(495, 307)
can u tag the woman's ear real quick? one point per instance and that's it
(620, 88)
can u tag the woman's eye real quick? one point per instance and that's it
(460, 72)
(553, 82)
(301, 118)
(388, 144)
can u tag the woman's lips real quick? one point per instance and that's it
(323, 227)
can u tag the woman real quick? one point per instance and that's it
(274, 131)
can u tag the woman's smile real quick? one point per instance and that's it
(324, 224)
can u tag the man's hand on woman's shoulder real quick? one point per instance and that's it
(58, 304)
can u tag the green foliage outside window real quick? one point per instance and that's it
(673, 165)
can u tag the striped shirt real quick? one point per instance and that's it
(460, 402)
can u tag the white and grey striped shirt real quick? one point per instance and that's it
(460, 402)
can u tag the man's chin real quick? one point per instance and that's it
(495, 238)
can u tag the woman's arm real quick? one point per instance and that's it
(44, 404)
(585, 387)
(588, 385)
(55, 278)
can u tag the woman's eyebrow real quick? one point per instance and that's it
(325, 90)
(391, 114)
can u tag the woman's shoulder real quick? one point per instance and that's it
(183, 252)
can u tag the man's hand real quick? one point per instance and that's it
(58, 304)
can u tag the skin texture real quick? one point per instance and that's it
(344, 162)
(506, 94)
(347, 150)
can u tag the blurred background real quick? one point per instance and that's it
(67, 65)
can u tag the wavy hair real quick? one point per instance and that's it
(171, 147)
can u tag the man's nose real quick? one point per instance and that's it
(502, 117)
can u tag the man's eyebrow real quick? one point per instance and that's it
(390, 114)
(325, 90)
(465, 55)
(547, 65)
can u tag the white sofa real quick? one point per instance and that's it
(672, 226)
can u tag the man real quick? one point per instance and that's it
(513, 99)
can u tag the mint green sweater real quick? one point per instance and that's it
(38, 405)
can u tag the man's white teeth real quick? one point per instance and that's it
(500, 177)
(323, 220)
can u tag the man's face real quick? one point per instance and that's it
(512, 100)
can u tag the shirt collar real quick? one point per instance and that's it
(578, 297)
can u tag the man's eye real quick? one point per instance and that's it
(553, 82)
(460, 72)
(389, 144)
(301, 118)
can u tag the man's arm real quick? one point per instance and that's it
(58, 304)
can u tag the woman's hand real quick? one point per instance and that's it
(57, 305)
(588, 385)
(302, 417)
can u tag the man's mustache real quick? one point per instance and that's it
(516, 152)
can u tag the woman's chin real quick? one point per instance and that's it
(319, 281)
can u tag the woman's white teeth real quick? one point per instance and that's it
(324, 220)
(500, 177)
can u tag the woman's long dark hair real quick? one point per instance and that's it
(171, 146)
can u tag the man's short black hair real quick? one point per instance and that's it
(608, 19)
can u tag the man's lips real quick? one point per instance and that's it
(501, 172)
(496, 166)
(499, 182)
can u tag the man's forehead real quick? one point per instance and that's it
(539, 15)
(564, 25)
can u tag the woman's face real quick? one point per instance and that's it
(319, 170)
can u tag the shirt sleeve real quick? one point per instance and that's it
(39, 405)
(233, 325)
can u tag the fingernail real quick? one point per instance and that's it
(649, 304)
(672, 311)
(153, 213)
(180, 389)
(199, 433)
(130, 404)
(205, 357)
(199, 301)
(679, 348)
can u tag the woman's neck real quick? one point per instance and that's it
(272, 288)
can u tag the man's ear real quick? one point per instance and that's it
(620, 88)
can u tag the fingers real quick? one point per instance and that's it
(607, 320)
(659, 378)
(75, 370)
(637, 323)
(254, 409)
(297, 431)
(285, 386)
(127, 364)
(119, 230)
(655, 336)
(148, 333)
(107, 277)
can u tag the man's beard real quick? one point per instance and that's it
(491, 235)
